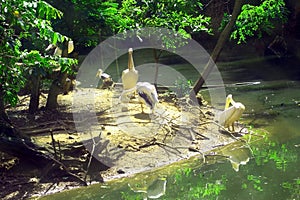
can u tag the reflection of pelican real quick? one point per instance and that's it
(147, 94)
(153, 191)
(237, 154)
(239, 157)
(130, 75)
(231, 114)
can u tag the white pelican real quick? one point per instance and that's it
(147, 94)
(106, 78)
(231, 114)
(130, 75)
(102, 75)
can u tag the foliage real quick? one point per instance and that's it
(127, 196)
(182, 17)
(293, 187)
(255, 20)
(90, 22)
(279, 154)
(256, 182)
(182, 87)
(25, 28)
(208, 188)
(87, 22)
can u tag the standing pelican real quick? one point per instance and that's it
(107, 81)
(130, 75)
(147, 94)
(102, 75)
(231, 114)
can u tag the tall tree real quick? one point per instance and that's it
(25, 27)
(246, 21)
(25, 31)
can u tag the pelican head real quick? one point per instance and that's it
(103, 76)
(99, 73)
(228, 101)
(130, 50)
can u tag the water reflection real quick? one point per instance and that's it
(156, 189)
(237, 153)
(265, 167)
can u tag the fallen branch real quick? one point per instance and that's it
(196, 150)
(14, 143)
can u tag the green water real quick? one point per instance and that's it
(272, 112)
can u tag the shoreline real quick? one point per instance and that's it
(181, 131)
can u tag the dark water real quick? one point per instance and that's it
(272, 171)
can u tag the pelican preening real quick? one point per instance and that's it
(231, 114)
(146, 91)
(103, 76)
(106, 78)
(147, 94)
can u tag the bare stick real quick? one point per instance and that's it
(196, 150)
(91, 156)
(53, 144)
(59, 150)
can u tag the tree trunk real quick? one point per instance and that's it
(35, 94)
(57, 84)
(14, 143)
(3, 114)
(224, 36)
(156, 58)
(55, 89)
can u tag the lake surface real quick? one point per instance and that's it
(269, 162)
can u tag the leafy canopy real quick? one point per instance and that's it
(180, 16)
(25, 29)
(255, 20)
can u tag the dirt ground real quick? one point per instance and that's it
(121, 138)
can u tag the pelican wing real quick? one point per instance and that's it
(238, 111)
(225, 115)
(147, 99)
(147, 93)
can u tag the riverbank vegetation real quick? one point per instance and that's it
(43, 43)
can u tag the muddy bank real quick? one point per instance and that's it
(121, 138)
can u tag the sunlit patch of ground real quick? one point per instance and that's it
(122, 139)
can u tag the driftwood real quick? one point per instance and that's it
(14, 143)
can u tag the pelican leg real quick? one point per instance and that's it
(232, 127)
(142, 108)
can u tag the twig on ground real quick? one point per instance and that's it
(53, 144)
(59, 150)
(91, 154)
(196, 150)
